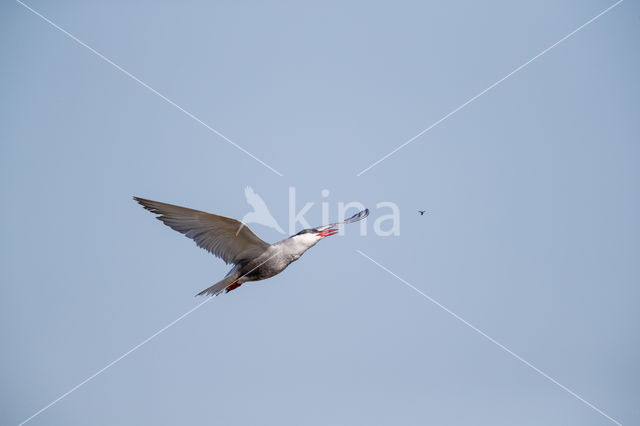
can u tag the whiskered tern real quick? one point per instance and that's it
(233, 242)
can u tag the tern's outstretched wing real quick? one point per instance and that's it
(356, 217)
(222, 236)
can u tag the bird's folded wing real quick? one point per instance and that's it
(227, 238)
(356, 217)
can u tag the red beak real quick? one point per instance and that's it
(327, 233)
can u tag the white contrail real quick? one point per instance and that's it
(490, 87)
(145, 85)
(491, 339)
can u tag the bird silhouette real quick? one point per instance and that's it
(421, 212)
(260, 213)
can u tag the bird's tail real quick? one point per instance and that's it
(218, 287)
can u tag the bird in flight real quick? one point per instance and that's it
(233, 242)
(421, 212)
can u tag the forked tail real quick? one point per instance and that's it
(220, 286)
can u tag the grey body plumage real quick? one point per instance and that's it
(235, 243)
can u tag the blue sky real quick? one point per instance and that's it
(531, 233)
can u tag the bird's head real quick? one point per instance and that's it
(312, 235)
(317, 232)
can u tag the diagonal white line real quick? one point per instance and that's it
(115, 361)
(136, 347)
(491, 339)
(145, 85)
(490, 87)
